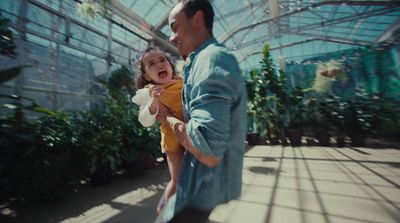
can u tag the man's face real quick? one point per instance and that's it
(183, 33)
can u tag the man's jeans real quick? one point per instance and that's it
(192, 215)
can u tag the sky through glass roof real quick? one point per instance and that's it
(294, 29)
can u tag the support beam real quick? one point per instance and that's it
(252, 42)
(161, 25)
(341, 41)
(57, 41)
(21, 43)
(357, 16)
(287, 31)
(336, 39)
(249, 55)
(239, 10)
(109, 42)
(70, 20)
(163, 22)
(274, 8)
(389, 32)
(307, 8)
(60, 92)
(299, 30)
(159, 38)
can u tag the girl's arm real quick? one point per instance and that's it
(149, 111)
(147, 114)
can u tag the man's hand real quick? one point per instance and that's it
(163, 113)
(179, 128)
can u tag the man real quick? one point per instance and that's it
(214, 127)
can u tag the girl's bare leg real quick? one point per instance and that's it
(174, 164)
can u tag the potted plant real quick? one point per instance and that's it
(286, 112)
(297, 115)
(140, 146)
(334, 109)
(386, 119)
(321, 126)
(252, 86)
(358, 115)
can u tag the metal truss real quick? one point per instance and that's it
(389, 4)
(158, 37)
(300, 31)
(69, 20)
(321, 38)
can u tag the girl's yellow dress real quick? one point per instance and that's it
(172, 99)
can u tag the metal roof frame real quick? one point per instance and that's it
(389, 4)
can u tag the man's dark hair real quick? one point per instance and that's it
(190, 7)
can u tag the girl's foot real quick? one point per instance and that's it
(161, 203)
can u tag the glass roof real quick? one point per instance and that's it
(294, 29)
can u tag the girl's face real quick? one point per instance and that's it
(157, 68)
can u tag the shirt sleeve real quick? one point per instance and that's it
(142, 97)
(210, 106)
(145, 118)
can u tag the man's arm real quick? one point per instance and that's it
(179, 128)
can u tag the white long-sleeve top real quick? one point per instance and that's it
(144, 100)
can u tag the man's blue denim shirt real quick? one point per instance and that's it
(214, 103)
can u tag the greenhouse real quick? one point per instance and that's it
(235, 111)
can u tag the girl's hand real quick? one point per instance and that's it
(156, 91)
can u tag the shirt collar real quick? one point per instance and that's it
(193, 54)
(203, 45)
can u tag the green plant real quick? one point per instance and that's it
(33, 166)
(359, 117)
(135, 138)
(263, 116)
(15, 140)
(320, 125)
(358, 114)
(256, 93)
(95, 136)
(386, 118)
(297, 108)
(266, 91)
(7, 48)
(7, 45)
(283, 105)
(57, 133)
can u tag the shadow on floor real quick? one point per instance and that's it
(142, 212)
(75, 204)
(263, 170)
(382, 143)
(269, 159)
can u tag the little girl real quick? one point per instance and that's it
(158, 83)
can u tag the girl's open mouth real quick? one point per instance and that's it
(163, 74)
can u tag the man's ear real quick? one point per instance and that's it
(198, 20)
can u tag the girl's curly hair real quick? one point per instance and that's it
(140, 81)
